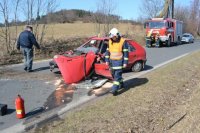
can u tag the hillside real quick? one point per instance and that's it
(71, 16)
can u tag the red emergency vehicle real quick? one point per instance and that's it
(169, 31)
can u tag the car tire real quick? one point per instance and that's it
(137, 66)
(52, 66)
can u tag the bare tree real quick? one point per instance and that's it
(198, 26)
(28, 10)
(50, 8)
(15, 20)
(151, 8)
(190, 17)
(9, 39)
(104, 13)
(32, 10)
(195, 16)
(182, 13)
(98, 20)
(40, 10)
(6, 29)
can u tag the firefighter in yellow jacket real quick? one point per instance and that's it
(117, 57)
(157, 40)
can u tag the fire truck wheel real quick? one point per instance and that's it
(137, 66)
(169, 42)
(179, 41)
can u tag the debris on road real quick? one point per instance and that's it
(103, 90)
(90, 84)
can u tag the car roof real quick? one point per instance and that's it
(105, 38)
(187, 34)
(100, 38)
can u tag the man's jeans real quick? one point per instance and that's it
(28, 58)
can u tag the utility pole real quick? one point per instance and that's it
(172, 8)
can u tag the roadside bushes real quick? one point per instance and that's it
(50, 48)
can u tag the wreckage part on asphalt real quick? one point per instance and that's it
(89, 84)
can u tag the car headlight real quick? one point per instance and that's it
(55, 56)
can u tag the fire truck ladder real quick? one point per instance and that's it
(168, 10)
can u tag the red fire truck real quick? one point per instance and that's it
(161, 32)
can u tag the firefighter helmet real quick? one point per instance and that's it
(113, 32)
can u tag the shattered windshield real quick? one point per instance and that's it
(156, 24)
(92, 45)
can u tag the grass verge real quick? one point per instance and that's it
(165, 100)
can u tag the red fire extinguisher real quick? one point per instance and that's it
(19, 105)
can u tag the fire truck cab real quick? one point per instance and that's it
(166, 31)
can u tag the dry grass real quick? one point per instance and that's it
(60, 36)
(87, 29)
(60, 31)
(67, 30)
(154, 103)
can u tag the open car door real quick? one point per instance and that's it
(103, 70)
(75, 68)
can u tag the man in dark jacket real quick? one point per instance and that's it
(25, 43)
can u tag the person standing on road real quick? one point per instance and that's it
(117, 57)
(157, 40)
(25, 43)
(149, 39)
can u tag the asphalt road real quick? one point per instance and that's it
(38, 88)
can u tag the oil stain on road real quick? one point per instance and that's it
(62, 95)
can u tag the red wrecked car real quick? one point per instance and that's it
(80, 63)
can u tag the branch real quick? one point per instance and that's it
(2, 7)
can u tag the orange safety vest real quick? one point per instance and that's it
(115, 49)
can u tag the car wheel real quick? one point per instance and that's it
(137, 66)
(52, 65)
